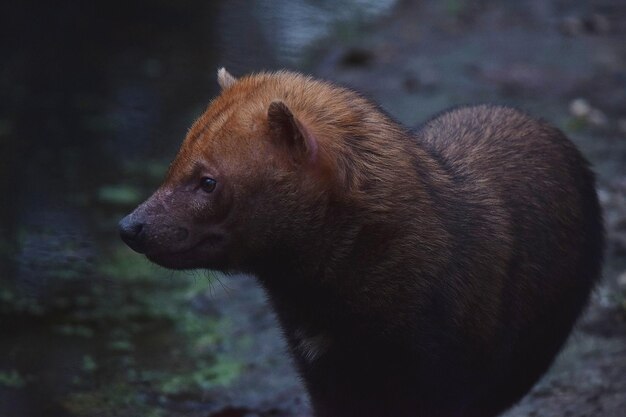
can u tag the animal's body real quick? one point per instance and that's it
(431, 273)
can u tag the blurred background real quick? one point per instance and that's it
(96, 97)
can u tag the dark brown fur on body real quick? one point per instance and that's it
(428, 274)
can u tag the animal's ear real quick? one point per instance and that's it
(287, 130)
(224, 79)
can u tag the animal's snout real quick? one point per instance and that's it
(148, 233)
(132, 233)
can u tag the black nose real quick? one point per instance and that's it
(131, 232)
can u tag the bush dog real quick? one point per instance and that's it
(432, 273)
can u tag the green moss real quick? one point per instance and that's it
(115, 400)
(155, 169)
(139, 337)
(124, 264)
(222, 372)
(74, 330)
(68, 273)
(621, 299)
(119, 195)
(455, 8)
(12, 379)
(14, 303)
(121, 345)
(152, 170)
(89, 364)
(6, 295)
(576, 124)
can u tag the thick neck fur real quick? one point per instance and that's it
(358, 260)
(378, 227)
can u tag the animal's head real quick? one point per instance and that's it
(250, 178)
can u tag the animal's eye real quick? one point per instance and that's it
(208, 184)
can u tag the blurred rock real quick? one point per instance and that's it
(615, 215)
(424, 80)
(619, 244)
(604, 196)
(579, 25)
(597, 23)
(571, 26)
(581, 108)
(621, 281)
(411, 84)
(597, 117)
(357, 57)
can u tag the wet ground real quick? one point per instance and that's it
(90, 329)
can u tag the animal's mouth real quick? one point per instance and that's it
(202, 254)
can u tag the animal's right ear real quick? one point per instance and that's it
(224, 79)
(288, 131)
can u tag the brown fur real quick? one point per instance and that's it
(434, 273)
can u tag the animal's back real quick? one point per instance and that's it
(540, 191)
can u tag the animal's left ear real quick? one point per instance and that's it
(287, 130)
(224, 79)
